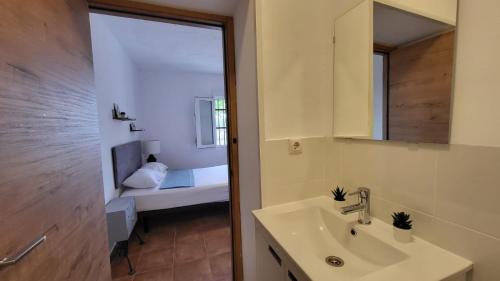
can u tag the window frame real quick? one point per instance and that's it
(212, 100)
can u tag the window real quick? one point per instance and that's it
(380, 70)
(211, 122)
(220, 121)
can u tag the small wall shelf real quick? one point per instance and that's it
(124, 118)
(134, 129)
(118, 115)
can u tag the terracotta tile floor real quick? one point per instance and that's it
(192, 246)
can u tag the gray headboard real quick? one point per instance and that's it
(127, 158)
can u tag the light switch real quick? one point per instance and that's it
(295, 146)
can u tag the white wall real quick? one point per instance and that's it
(248, 129)
(296, 66)
(476, 117)
(115, 83)
(165, 105)
(295, 79)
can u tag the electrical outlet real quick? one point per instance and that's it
(295, 146)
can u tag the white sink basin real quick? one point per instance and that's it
(311, 230)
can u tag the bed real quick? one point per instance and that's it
(210, 184)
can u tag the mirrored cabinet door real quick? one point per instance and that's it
(407, 96)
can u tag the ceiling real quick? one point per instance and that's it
(220, 7)
(151, 44)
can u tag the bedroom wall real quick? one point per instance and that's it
(115, 83)
(165, 107)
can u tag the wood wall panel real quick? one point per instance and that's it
(50, 171)
(420, 88)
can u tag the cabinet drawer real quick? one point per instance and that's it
(269, 261)
(130, 216)
(273, 264)
(130, 209)
(121, 217)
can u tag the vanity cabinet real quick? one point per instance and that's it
(269, 262)
(309, 236)
(273, 264)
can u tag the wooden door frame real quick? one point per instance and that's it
(165, 13)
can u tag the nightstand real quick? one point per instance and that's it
(121, 217)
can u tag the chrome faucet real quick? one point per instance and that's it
(363, 207)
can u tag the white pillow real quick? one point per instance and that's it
(143, 178)
(157, 166)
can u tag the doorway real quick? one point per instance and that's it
(222, 134)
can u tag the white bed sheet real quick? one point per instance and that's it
(210, 185)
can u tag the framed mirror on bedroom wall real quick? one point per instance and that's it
(393, 71)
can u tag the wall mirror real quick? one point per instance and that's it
(393, 74)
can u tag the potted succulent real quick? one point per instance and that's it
(339, 197)
(402, 227)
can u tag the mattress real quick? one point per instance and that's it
(210, 185)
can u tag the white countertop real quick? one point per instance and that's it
(307, 230)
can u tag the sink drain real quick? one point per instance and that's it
(334, 261)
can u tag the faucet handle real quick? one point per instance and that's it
(358, 192)
(362, 192)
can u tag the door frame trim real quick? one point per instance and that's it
(165, 13)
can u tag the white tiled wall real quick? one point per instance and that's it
(452, 192)
(287, 177)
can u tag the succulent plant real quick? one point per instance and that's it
(339, 194)
(401, 220)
